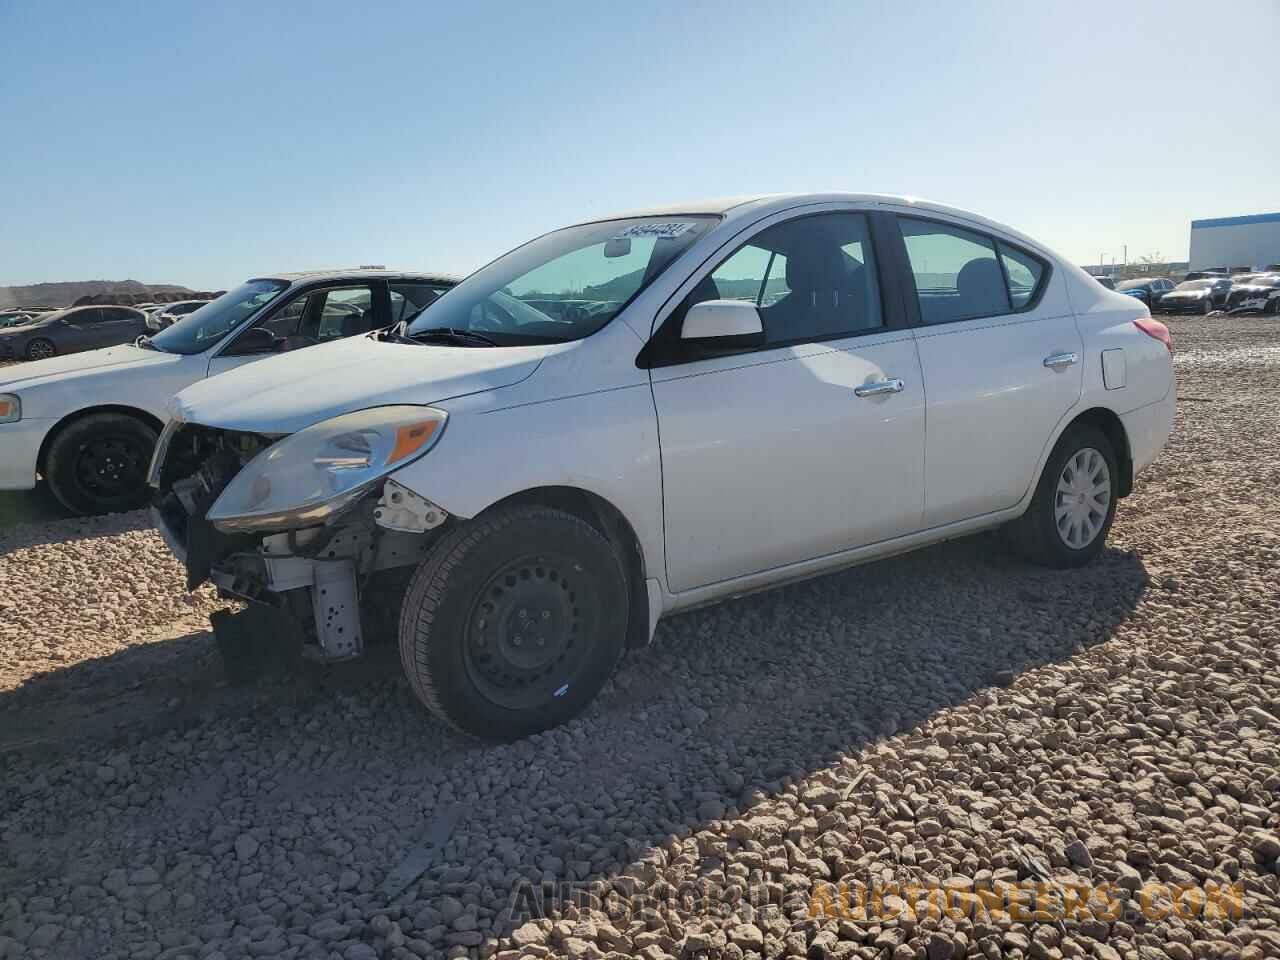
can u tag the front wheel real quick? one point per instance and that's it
(98, 464)
(1070, 514)
(514, 622)
(41, 349)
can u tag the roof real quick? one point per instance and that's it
(361, 273)
(764, 204)
(1236, 221)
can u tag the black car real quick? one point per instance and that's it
(1258, 293)
(71, 331)
(1196, 296)
(1212, 274)
(1105, 281)
(1149, 289)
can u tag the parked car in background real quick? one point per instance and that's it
(166, 314)
(14, 318)
(88, 423)
(778, 387)
(71, 331)
(1260, 293)
(1196, 296)
(1105, 281)
(1205, 274)
(1148, 289)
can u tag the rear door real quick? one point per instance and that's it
(809, 444)
(1001, 358)
(121, 325)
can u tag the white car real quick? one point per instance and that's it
(88, 422)
(776, 387)
(166, 314)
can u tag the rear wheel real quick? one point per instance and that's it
(1067, 523)
(98, 464)
(41, 349)
(514, 622)
(1208, 305)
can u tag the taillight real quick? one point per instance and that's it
(1154, 328)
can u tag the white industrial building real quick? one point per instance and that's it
(1251, 242)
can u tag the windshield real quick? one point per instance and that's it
(202, 328)
(1195, 284)
(565, 285)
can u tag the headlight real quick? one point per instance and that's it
(315, 473)
(10, 408)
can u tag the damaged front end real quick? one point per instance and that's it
(325, 574)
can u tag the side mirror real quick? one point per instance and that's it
(254, 340)
(723, 324)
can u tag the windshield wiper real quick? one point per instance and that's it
(452, 335)
(144, 341)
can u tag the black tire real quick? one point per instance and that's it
(1208, 306)
(98, 464)
(1036, 534)
(41, 349)
(521, 575)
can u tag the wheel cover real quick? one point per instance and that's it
(525, 638)
(40, 350)
(111, 468)
(1083, 498)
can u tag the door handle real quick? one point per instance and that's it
(1059, 361)
(878, 389)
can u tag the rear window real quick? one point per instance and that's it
(964, 275)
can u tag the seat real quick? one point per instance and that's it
(812, 308)
(980, 289)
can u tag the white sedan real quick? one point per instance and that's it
(88, 422)
(637, 415)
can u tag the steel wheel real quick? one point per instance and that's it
(110, 468)
(40, 349)
(1083, 498)
(525, 624)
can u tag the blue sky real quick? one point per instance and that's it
(204, 144)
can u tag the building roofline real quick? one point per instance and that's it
(1236, 221)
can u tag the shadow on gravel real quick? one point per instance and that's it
(730, 706)
(35, 517)
(28, 506)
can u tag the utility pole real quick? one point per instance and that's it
(1126, 255)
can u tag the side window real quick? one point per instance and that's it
(410, 299)
(86, 317)
(344, 312)
(813, 278)
(956, 273)
(1024, 272)
(285, 321)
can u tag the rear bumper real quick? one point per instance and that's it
(1148, 429)
(19, 450)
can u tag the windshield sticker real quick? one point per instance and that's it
(658, 231)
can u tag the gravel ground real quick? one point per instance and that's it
(951, 715)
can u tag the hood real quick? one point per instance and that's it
(294, 390)
(1187, 294)
(71, 366)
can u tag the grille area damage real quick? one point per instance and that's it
(321, 588)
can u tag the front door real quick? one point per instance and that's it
(316, 315)
(1002, 359)
(807, 445)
